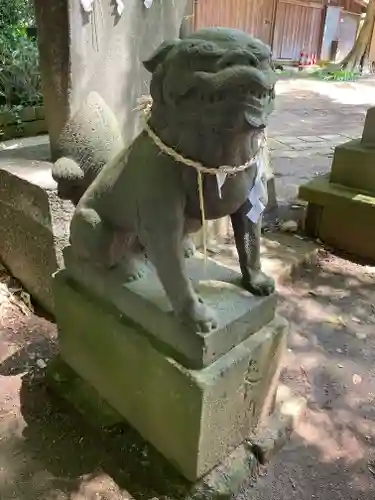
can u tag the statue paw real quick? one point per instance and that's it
(198, 317)
(189, 248)
(132, 270)
(259, 283)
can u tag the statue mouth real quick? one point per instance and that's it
(256, 112)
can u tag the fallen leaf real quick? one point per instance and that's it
(356, 320)
(289, 226)
(357, 379)
(336, 320)
(371, 467)
(26, 299)
(361, 336)
(41, 363)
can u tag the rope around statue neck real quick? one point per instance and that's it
(144, 106)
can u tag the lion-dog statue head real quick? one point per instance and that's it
(215, 78)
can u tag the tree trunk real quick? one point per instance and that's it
(353, 60)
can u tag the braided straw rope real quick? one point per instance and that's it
(144, 106)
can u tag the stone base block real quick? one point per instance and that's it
(224, 481)
(194, 418)
(34, 223)
(145, 303)
(341, 217)
(353, 166)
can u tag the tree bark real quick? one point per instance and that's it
(353, 60)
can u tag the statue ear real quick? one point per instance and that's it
(160, 54)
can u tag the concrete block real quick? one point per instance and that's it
(353, 166)
(34, 223)
(194, 418)
(368, 134)
(145, 303)
(341, 217)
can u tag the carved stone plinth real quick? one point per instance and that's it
(195, 397)
(341, 209)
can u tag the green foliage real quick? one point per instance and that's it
(16, 14)
(336, 74)
(20, 82)
(343, 76)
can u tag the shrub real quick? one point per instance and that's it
(20, 83)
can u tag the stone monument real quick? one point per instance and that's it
(90, 59)
(341, 205)
(187, 351)
(96, 46)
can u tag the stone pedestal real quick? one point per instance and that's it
(195, 397)
(341, 208)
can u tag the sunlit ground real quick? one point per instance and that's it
(359, 92)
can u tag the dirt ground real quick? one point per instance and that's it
(47, 453)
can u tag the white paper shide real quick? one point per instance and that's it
(258, 195)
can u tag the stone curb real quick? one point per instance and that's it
(275, 432)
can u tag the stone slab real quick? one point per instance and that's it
(34, 222)
(353, 166)
(310, 138)
(323, 192)
(368, 135)
(224, 481)
(193, 417)
(144, 302)
(341, 217)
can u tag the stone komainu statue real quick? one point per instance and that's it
(90, 139)
(212, 94)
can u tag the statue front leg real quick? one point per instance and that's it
(247, 237)
(166, 251)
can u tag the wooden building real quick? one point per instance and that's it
(326, 28)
